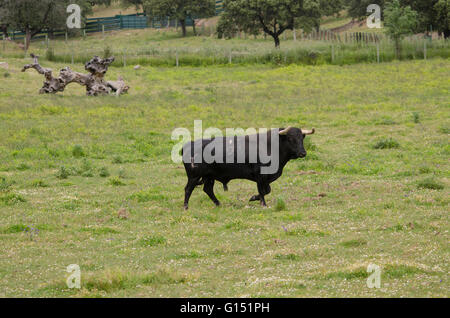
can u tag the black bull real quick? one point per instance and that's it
(237, 162)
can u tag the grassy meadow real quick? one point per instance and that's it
(89, 181)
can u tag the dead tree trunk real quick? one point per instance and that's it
(94, 81)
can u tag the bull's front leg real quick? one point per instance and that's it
(262, 187)
(257, 197)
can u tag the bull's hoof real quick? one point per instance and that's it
(186, 207)
(254, 198)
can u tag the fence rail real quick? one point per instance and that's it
(118, 22)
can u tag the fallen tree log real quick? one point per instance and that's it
(94, 80)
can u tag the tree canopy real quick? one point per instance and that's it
(271, 16)
(179, 9)
(399, 21)
(32, 17)
(431, 14)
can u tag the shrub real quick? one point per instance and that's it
(5, 185)
(152, 241)
(23, 167)
(281, 205)
(117, 159)
(287, 257)
(39, 184)
(11, 199)
(77, 151)
(354, 243)
(50, 54)
(430, 183)
(115, 181)
(107, 52)
(416, 117)
(86, 169)
(103, 172)
(386, 143)
(63, 173)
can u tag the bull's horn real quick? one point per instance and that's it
(308, 132)
(285, 131)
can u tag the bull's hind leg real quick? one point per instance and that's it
(190, 186)
(209, 190)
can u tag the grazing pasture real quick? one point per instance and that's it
(90, 181)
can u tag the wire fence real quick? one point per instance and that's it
(309, 53)
(316, 47)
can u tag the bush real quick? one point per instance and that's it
(115, 181)
(386, 143)
(63, 173)
(5, 185)
(430, 183)
(107, 52)
(39, 184)
(103, 172)
(50, 55)
(152, 241)
(11, 199)
(281, 205)
(117, 160)
(77, 151)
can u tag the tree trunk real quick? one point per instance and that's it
(4, 29)
(446, 33)
(398, 48)
(27, 39)
(183, 26)
(51, 34)
(94, 81)
(193, 27)
(276, 39)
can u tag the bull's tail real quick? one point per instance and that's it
(192, 159)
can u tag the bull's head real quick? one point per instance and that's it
(292, 139)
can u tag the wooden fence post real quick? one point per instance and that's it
(176, 56)
(378, 52)
(295, 35)
(332, 54)
(229, 57)
(25, 45)
(103, 30)
(425, 49)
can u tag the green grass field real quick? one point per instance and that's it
(373, 188)
(160, 48)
